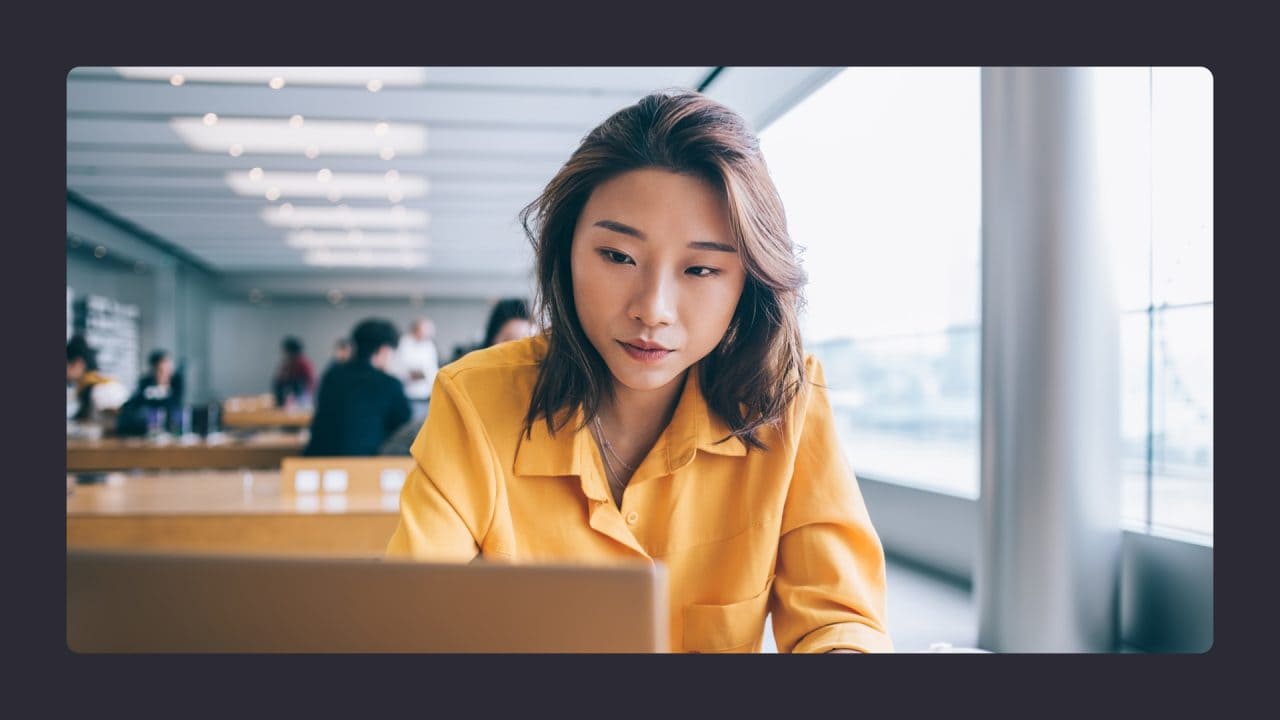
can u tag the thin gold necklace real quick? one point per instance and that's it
(608, 446)
(610, 473)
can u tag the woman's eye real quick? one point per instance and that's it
(614, 256)
(702, 271)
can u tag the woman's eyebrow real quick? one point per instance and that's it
(705, 245)
(618, 227)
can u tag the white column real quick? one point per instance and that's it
(1047, 573)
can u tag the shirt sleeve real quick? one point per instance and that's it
(108, 395)
(448, 500)
(829, 590)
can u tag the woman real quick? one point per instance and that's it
(667, 412)
(509, 320)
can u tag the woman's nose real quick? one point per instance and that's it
(653, 303)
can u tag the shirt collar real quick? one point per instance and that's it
(694, 427)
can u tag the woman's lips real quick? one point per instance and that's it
(645, 356)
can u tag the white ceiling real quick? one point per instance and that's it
(493, 138)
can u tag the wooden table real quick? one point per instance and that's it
(226, 511)
(266, 417)
(262, 451)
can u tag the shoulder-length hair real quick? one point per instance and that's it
(751, 377)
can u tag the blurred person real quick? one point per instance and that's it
(295, 378)
(417, 360)
(668, 410)
(91, 396)
(341, 350)
(508, 320)
(359, 404)
(341, 353)
(156, 404)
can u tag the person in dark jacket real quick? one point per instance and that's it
(157, 403)
(359, 405)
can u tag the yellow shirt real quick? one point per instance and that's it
(742, 534)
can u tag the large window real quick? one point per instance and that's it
(880, 173)
(1155, 130)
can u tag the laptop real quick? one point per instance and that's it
(126, 601)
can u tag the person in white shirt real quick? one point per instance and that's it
(417, 361)
(90, 394)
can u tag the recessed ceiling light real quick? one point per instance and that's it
(286, 209)
(328, 216)
(315, 240)
(276, 83)
(381, 129)
(255, 174)
(374, 85)
(348, 76)
(334, 195)
(273, 194)
(392, 176)
(312, 152)
(320, 183)
(236, 150)
(296, 121)
(100, 252)
(176, 79)
(210, 119)
(387, 153)
(335, 296)
(395, 196)
(279, 136)
(365, 258)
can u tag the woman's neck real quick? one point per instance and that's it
(634, 419)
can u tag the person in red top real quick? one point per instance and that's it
(294, 382)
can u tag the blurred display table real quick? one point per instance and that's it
(226, 511)
(262, 450)
(266, 417)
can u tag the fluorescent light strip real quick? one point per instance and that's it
(364, 258)
(278, 137)
(354, 76)
(348, 185)
(337, 217)
(355, 239)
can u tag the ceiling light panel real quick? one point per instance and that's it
(355, 76)
(342, 217)
(364, 258)
(283, 136)
(310, 184)
(356, 239)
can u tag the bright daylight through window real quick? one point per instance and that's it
(880, 173)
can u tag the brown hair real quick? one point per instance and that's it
(751, 377)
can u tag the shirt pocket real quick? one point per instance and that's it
(734, 627)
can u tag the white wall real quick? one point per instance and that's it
(244, 338)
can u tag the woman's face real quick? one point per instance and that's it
(656, 274)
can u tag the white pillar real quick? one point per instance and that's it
(1048, 567)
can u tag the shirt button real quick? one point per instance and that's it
(632, 517)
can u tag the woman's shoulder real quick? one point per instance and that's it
(511, 364)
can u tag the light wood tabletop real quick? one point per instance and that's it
(226, 511)
(266, 417)
(263, 451)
